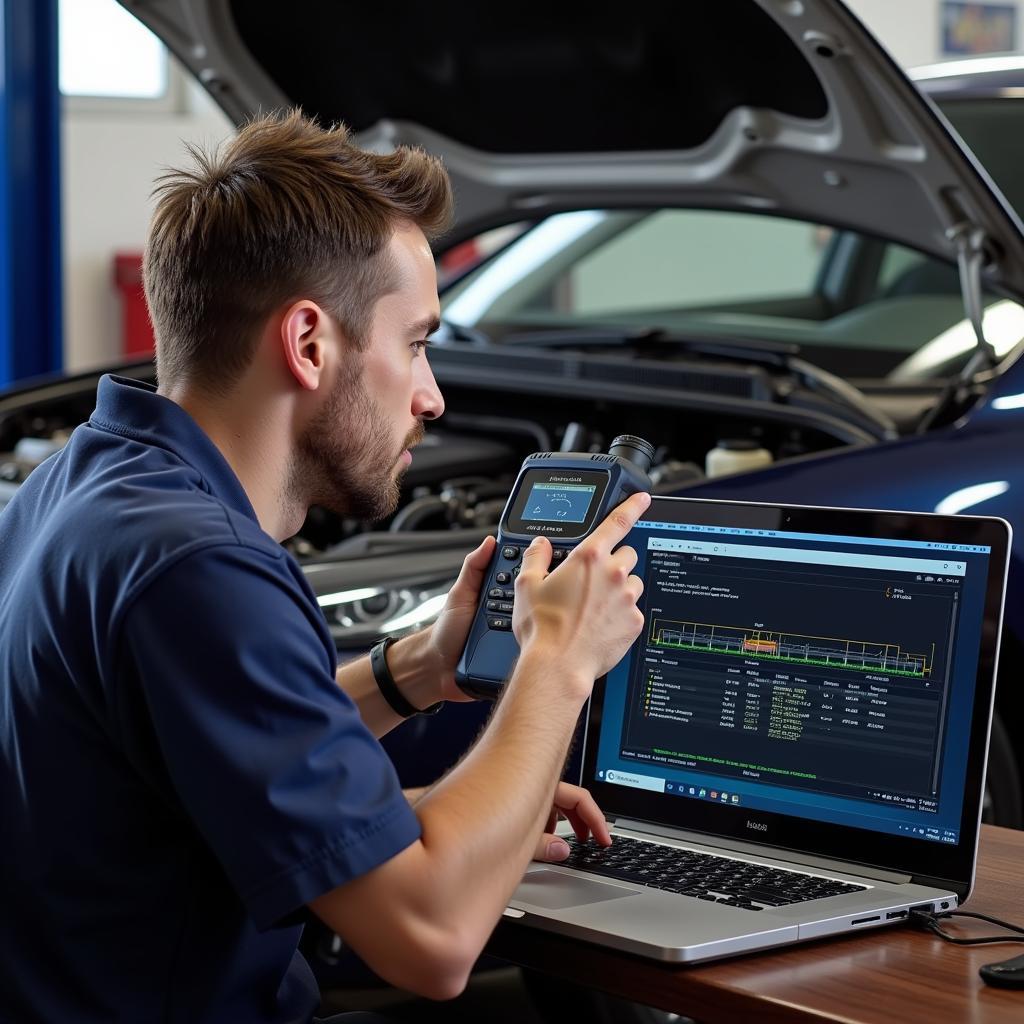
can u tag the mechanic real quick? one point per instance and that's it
(184, 771)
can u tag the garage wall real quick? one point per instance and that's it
(911, 29)
(111, 159)
(109, 163)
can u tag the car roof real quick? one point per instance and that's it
(993, 77)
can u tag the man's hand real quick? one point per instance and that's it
(578, 806)
(438, 900)
(423, 663)
(584, 613)
(447, 636)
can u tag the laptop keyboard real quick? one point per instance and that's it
(735, 883)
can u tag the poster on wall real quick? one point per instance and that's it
(969, 28)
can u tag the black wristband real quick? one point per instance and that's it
(389, 688)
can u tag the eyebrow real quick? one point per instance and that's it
(425, 327)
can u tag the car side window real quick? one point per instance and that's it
(897, 264)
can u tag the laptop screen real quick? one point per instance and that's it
(827, 676)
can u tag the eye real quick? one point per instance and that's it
(419, 346)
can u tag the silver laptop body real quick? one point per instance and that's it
(930, 701)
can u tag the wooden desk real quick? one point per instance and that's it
(893, 974)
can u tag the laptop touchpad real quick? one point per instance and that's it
(555, 891)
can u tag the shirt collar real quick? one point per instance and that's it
(133, 409)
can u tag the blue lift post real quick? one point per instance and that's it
(31, 328)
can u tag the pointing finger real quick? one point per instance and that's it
(619, 522)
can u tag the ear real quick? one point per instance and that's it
(306, 331)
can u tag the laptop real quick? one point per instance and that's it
(795, 747)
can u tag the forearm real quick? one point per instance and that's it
(411, 668)
(493, 806)
(422, 918)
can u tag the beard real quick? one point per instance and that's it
(346, 458)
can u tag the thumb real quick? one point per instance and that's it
(551, 849)
(471, 575)
(536, 558)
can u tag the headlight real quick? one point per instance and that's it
(359, 616)
(387, 584)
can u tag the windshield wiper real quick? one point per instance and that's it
(782, 356)
(773, 353)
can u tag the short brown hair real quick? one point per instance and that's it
(286, 209)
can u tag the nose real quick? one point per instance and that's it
(427, 401)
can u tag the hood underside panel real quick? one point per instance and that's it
(785, 107)
(539, 78)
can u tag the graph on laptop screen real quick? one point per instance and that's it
(807, 674)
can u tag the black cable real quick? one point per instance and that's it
(932, 923)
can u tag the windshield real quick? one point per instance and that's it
(859, 306)
(856, 305)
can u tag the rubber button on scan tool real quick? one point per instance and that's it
(499, 622)
(497, 593)
(510, 553)
(504, 577)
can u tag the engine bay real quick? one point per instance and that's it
(505, 402)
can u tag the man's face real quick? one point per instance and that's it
(355, 450)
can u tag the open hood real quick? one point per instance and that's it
(782, 106)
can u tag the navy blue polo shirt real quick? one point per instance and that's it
(179, 772)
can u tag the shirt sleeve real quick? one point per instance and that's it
(267, 754)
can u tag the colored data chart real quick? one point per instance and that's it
(795, 648)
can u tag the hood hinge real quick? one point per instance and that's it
(971, 255)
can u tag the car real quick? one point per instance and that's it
(730, 228)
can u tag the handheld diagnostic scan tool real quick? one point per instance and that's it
(562, 496)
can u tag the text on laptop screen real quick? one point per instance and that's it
(826, 677)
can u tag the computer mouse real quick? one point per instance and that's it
(1005, 974)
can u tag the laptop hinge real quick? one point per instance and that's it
(795, 857)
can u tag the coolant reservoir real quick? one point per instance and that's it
(736, 456)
